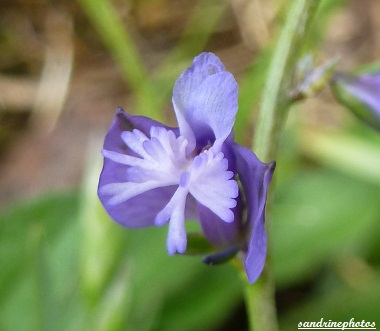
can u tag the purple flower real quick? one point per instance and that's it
(154, 174)
(360, 94)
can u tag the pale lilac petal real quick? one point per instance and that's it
(205, 100)
(134, 140)
(204, 65)
(174, 211)
(213, 185)
(255, 177)
(120, 192)
(184, 87)
(122, 158)
(213, 107)
(223, 234)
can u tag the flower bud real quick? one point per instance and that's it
(309, 80)
(360, 94)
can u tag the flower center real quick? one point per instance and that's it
(160, 161)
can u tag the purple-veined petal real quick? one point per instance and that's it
(203, 66)
(141, 210)
(213, 107)
(255, 177)
(205, 101)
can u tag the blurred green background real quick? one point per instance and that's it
(64, 68)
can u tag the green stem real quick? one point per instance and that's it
(260, 305)
(275, 100)
(259, 296)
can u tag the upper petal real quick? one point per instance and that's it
(255, 177)
(213, 107)
(205, 100)
(203, 66)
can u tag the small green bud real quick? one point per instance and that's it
(309, 80)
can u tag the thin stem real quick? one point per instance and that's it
(275, 100)
(259, 296)
(260, 305)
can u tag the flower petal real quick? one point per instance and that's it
(218, 232)
(213, 185)
(141, 210)
(257, 251)
(203, 66)
(255, 177)
(205, 101)
(124, 122)
(213, 107)
(174, 211)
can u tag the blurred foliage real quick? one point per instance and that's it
(66, 266)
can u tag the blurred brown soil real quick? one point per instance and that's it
(42, 151)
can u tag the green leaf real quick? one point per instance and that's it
(38, 242)
(213, 295)
(317, 215)
(338, 302)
